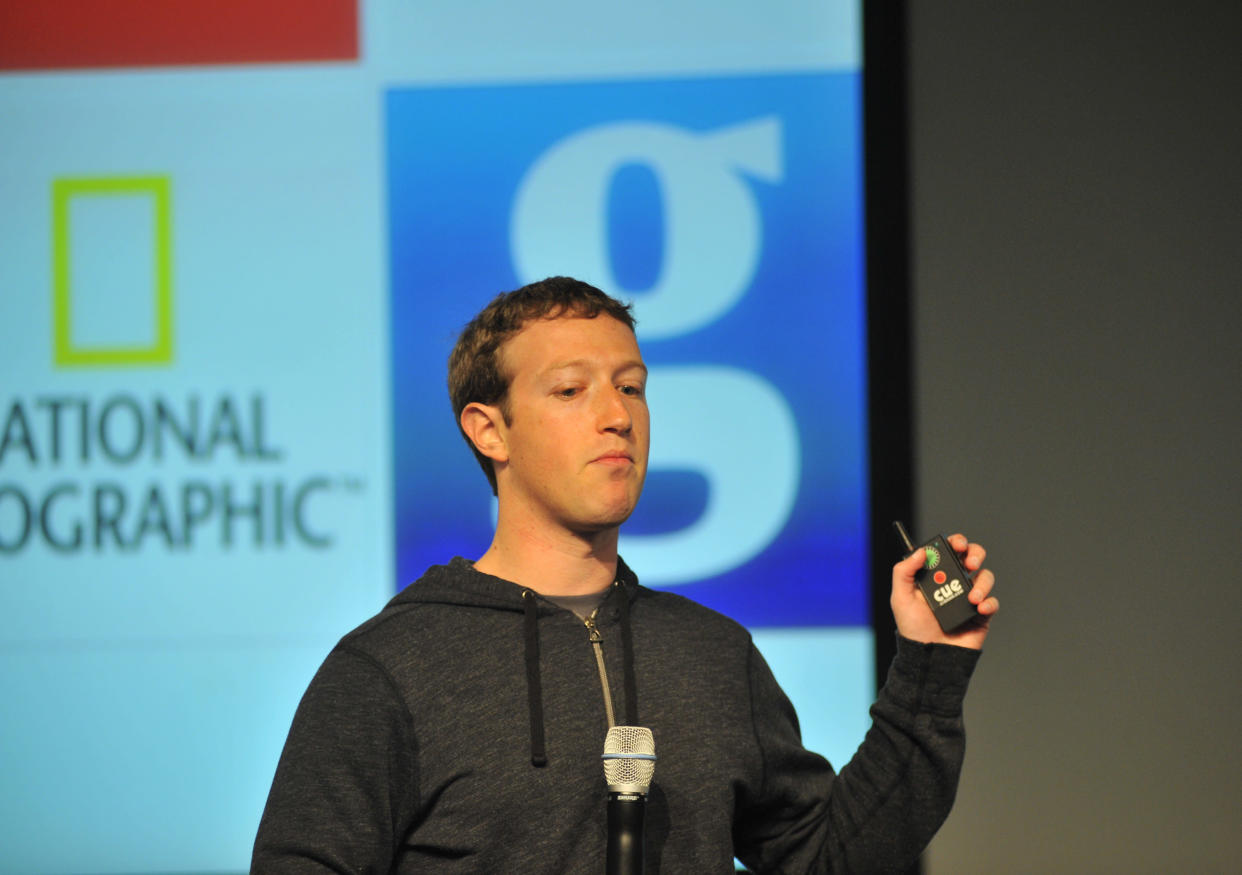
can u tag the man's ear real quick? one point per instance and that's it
(484, 425)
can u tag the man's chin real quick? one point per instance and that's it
(608, 518)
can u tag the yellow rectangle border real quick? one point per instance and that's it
(63, 192)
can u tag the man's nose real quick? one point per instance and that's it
(614, 413)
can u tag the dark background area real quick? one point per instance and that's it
(1076, 204)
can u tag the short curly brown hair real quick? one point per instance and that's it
(474, 367)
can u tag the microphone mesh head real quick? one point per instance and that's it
(629, 759)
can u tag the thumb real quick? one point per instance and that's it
(906, 568)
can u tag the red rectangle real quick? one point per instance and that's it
(75, 34)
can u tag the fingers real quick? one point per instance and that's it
(982, 586)
(989, 607)
(974, 553)
(980, 593)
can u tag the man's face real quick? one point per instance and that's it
(578, 429)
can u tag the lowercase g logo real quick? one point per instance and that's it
(728, 210)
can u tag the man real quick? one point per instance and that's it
(460, 729)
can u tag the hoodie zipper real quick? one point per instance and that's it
(597, 642)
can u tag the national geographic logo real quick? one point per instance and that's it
(72, 515)
(71, 462)
(127, 220)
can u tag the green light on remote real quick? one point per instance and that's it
(933, 556)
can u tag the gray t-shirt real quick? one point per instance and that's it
(582, 605)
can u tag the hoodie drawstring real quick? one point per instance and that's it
(534, 684)
(627, 655)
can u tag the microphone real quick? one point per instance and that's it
(629, 763)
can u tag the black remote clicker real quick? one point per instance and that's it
(943, 580)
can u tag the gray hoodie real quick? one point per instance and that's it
(460, 730)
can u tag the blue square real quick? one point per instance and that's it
(730, 211)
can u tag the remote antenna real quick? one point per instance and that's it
(904, 535)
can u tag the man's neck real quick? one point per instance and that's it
(562, 564)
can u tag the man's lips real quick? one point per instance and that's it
(614, 458)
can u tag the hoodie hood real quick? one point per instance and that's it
(459, 583)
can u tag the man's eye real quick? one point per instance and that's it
(568, 392)
(631, 389)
